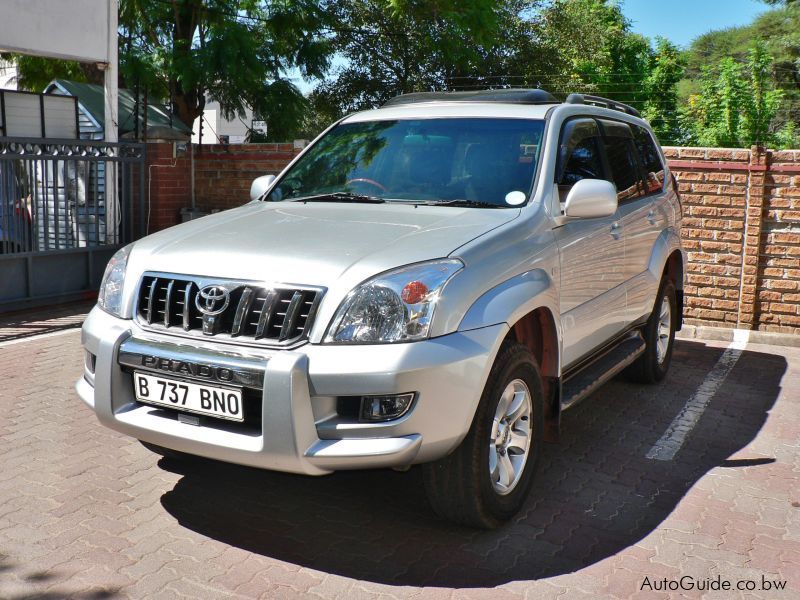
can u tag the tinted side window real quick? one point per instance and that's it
(649, 159)
(621, 155)
(578, 155)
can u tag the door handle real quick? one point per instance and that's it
(651, 217)
(615, 231)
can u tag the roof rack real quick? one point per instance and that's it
(508, 96)
(600, 101)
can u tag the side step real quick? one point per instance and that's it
(601, 369)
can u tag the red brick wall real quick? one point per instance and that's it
(741, 231)
(779, 260)
(167, 186)
(223, 173)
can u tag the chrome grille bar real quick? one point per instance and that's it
(292, 313)
(151, 299)
(167, 301)
(187, 307)
(241, 311)
(266, 313)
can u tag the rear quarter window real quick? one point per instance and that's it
(649, 159)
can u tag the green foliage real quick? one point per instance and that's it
(396, 46)
(587, 45)
(737, 104)
(779, 32)
(36, 72)
(235, 51)
(660, 107)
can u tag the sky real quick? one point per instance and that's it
(681, 21)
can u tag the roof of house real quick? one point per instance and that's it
(91, 97)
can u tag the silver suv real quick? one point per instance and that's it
(430, 283)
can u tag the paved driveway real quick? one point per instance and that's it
(88, 513)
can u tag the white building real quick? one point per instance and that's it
(8, 75)
(219, 130)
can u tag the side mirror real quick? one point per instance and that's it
(591, 198)
(260, 185)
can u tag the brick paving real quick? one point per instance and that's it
(24, 324)
(87, 513)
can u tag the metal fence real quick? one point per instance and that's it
(65, 207)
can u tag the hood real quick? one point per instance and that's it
(322, 244)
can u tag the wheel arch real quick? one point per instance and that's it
(537, 331)
(669, 259)
(527, 303)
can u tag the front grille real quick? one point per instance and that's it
(279, 315)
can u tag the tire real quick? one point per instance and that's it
(167, 452)
(460, 486)
(653, 364)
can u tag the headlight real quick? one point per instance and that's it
(396, 306)
(110, 296)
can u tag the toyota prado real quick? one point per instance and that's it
(431, 283)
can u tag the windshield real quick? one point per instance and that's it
(476, 161)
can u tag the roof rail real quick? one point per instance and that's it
(600, 101)
(508, 96)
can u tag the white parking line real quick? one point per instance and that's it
(40, 336)
(674, 437)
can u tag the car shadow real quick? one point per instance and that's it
(37, 321)
(596, 492)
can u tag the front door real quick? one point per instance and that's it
(592, 251)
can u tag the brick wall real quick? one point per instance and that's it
(778, 302)
(741, 230)
(223, 173)
(168, 189)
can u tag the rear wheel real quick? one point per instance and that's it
(659, 335)
(486, 479)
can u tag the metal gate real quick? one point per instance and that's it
(65, 207)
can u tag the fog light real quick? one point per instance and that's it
(385, 408)
(90, 360)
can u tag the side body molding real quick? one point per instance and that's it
(511, 300)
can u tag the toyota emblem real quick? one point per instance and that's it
(212, 300)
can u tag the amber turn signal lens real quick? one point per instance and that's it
(414, 292)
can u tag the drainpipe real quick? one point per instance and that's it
(191, 161)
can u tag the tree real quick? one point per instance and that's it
(661, 107)
(779, 30)
(34, 73)
(737, 104)
(389, 47)
(590, 48)
(235, 51)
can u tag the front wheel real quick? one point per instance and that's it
(485, 481)
(659, 335)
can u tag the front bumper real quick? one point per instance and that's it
(298, 429)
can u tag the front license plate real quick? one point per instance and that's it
(214, 401)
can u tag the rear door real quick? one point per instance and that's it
(591, 251)
(636, 211)
(642, 287)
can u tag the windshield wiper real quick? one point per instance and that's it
(462, 204)
(340, 197)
